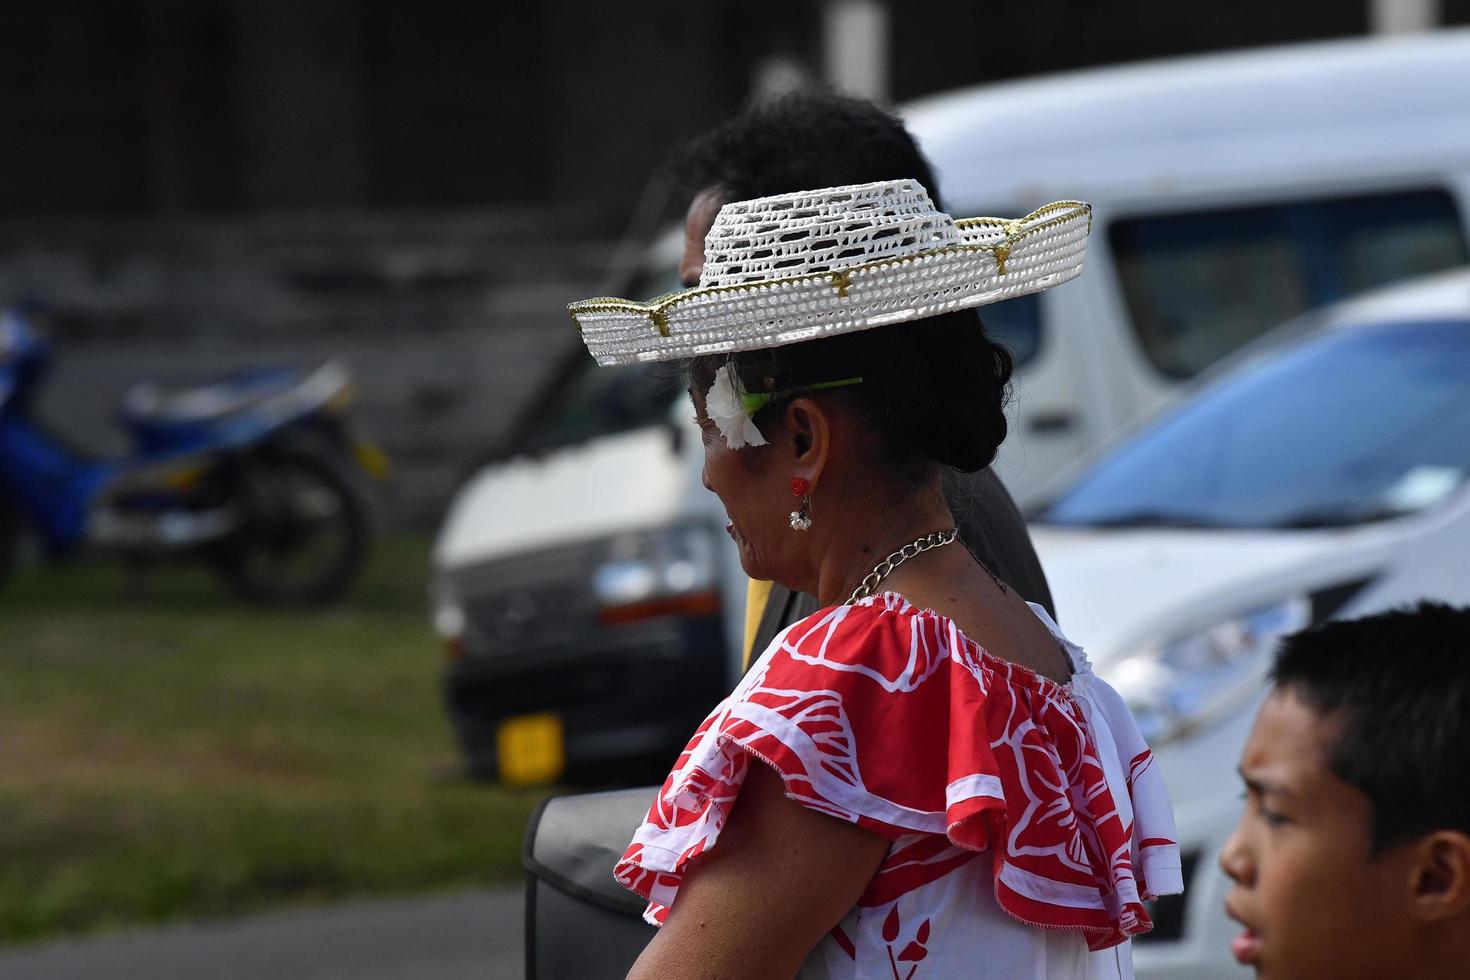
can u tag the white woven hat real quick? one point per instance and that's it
(794, 267)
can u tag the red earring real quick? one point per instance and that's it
(799, 487)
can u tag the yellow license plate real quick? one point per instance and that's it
(531, 749)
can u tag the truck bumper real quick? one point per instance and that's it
(628, 698)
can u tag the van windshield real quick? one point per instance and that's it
(599, 401)
(1350, 426)
(592, 401)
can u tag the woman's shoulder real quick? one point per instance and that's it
(849, 629)
(882, 638)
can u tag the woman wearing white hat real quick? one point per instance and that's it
(923, 778)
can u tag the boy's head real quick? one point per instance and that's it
(1352, 858)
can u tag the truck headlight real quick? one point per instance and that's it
(1175, 687)
(448, 608)
(657, 572)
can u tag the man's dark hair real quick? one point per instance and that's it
(934, 389)
(1398, 684)
(802, 141)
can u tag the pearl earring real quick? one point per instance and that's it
(801, 518)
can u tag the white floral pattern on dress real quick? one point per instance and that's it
(1003, 762)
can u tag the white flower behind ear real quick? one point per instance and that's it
(723, 405)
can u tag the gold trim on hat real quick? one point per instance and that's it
(658, 308)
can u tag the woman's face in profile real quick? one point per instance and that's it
(742, 478)
(758, 500)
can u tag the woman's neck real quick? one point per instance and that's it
(858, 537)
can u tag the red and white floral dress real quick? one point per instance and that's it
(1027, 818)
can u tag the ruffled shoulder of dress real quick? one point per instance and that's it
(899, 646)
(888, 717)
(1081, 665)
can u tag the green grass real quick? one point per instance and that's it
(181, 754)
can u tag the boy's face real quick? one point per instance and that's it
(1312, 901)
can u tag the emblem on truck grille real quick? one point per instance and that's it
(510, 618)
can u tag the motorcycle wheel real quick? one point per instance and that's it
(305, 531)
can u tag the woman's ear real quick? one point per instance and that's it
(808, 429)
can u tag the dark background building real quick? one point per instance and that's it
(230, 106)
(418, 188)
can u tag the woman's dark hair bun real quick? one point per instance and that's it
(959, 420)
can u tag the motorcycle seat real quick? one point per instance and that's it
(151, 404)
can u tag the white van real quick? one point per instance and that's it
(583, 585)
(1229, 193)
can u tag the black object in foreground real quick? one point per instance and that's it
(579, 921)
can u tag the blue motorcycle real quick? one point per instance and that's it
(257, 474)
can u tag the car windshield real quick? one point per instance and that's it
(1350, 426)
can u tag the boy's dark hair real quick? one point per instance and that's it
(1399, 685)
(934, 389)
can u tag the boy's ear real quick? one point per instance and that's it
(1441, 884)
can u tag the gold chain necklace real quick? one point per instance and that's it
(871, 581)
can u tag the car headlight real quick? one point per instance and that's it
(658, 572)
(1174, 687)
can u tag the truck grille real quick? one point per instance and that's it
(529, 601)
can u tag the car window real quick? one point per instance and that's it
(1199, 285)
(1349, 426)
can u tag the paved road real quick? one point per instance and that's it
(456, 937)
